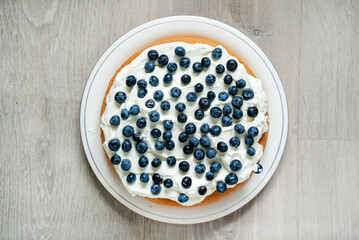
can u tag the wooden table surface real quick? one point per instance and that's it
(48, 49)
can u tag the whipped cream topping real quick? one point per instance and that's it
(195, 52)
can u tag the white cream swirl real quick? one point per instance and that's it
(195, 52)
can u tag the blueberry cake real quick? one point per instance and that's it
(181, 122)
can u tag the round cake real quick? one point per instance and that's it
(184, 122)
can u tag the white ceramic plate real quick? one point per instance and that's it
(141, 37)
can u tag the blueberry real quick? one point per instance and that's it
(115, 120)
(126, 145)
(154, 116)
(231, 179)
(180, 51)
(209, 176)
(115, 159)
(220, 69)
(216, 112)
(217, 53)
(183, 137)
(234, 142)
(185, 62)
(142, 93)
(150, 103)
(215, 167)
(215, 130)
(223, 96)
(190, 128)
(143, 161)
(191, 97)
(162, 60)
(251, 151)
(180, 107)
(156, 133)
(144, 178)
(141, 147)
(131, 178)
(170, 145)
(211, 153)
(227, 109)
(152, 54)
(204, 103)
(182, 198)
(165, 106)
(199, 114)
(185, 79)
(137, 137)
(168, 183)
(175, 92)
(142, 83)
(128, 131)
(205, 128)
(156, 162)
(210, 79)
(126, 165)
(205, 142)
(171, 161)
(187, 149)
(202, 190)
(259, 169)
(150, 66)
(125, 114)
(159, 145)
(252, 112)
(232, 90)
(199, 154)
(235, 165)
(155, 189)
(172, 67)
(227, 121)
(239, 128)
(222, 146)
(157, 178)
(249, 141)
(167, 135)
(131, 81)
(237, 114)
(158, 95)
(186, 182)
(182, 118)
(211, 95)
(198, 88)
(120, 97)
(206, 62)
(232, 64)
(237, 102)
(141, 123)
(193, 142)
(134, 109)
(168, 124)
(168, 78)
(228, 79)
(247, 94)
(240, 83)
(197, 67)
(184, 166)
(154, 81)
(221, 187)
(253, 132)
(200, 168)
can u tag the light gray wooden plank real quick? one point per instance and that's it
(329, 69)
(328, 189)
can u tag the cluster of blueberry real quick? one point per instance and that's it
(228, 113)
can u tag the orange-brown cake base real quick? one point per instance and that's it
(215, 195)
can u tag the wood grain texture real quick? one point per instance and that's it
(48, 49)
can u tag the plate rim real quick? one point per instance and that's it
(280, 150)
